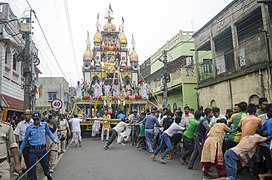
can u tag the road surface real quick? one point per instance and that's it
(119, 162)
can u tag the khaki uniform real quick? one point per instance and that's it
(7, 140)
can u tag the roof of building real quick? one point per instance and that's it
(209, 22)
(13, 103)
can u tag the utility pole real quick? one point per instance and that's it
(26, 63)
(166, 76)
(269, 60)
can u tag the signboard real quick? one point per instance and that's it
(56, 104)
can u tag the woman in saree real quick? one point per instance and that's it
(212, 154)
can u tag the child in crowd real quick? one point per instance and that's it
(141, 137)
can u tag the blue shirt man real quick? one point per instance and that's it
(36, 135)
(268, 126)
(149, 122)
(121, 115)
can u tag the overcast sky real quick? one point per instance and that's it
(152, 22)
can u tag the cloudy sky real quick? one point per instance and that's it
(152, 22)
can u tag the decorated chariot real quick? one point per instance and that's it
(110, 69)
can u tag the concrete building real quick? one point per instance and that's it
(180, 57)
(11, 71)
(237, 66)
(51, 88)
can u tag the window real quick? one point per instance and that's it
(229, 61)
(14, 65)
(52, 96)
(241, 57)
(7, 55)
(207, 66)
(220, 64)
(189, 61)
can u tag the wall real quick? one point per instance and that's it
(52, 84)
(245, 86)
(175, 96)
(219, 93)
(242, 89)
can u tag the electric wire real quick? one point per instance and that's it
(215, 23)
(240, 45)
(42, 53)
(222, 39)
(51, 50)
(47, 42)
(71, 35)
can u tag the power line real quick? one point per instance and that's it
(215, 23)
(15, 7)
(71, 35)
(49, 44)
(41, 53)
(29, 4)
(222, 39)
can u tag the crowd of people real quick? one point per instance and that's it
(238, 140)
(36, 137)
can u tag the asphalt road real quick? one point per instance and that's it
(91, 161)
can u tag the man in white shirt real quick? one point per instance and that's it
(165, 140)
(187, 115)
(96, 125)
(115, 131)
(78, 90)
(20, 131)
(75, 123)
(64, 130)
(216, 116)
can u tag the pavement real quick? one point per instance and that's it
(91, 161)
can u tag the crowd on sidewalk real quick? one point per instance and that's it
(35, 137)
(238, 140)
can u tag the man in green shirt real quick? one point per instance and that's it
(141, 137)
(235, 135)
(188, 137)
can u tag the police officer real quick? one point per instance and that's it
(36, 135)
(7, 140)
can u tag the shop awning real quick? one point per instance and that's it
(13, 103)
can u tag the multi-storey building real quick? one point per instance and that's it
(51, 88)
(11, 72)
(237, 64)
(180, 66)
